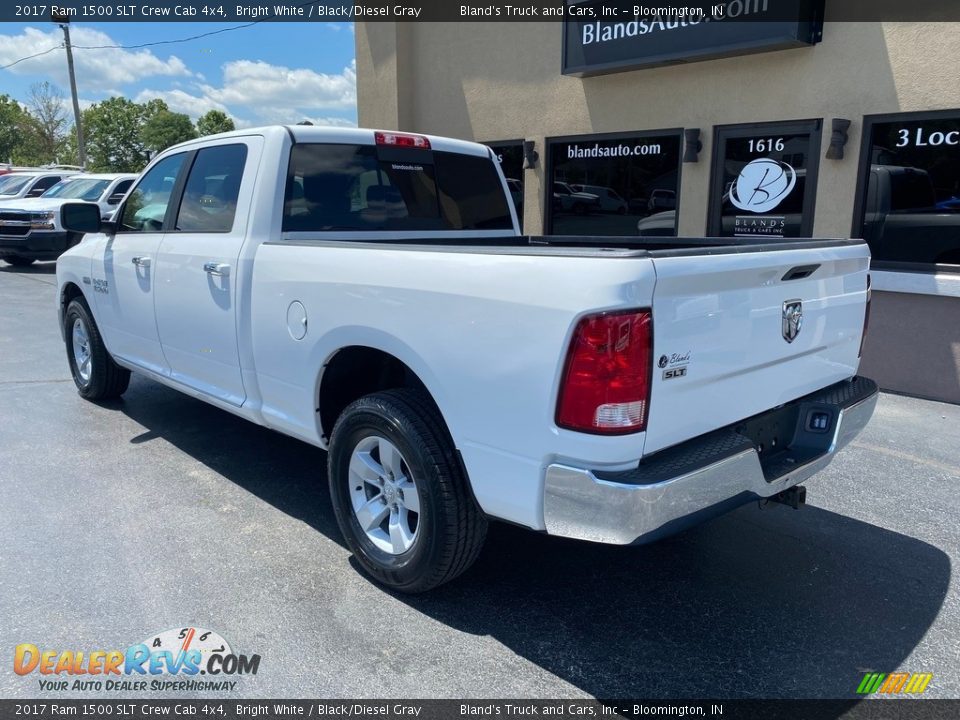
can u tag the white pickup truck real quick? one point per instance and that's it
(370, 293)
(30, 228)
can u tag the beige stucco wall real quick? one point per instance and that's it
(501, 81)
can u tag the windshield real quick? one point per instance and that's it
(12, 184)
(80, 189)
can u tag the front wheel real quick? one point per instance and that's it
(95, 373)
(399, 493)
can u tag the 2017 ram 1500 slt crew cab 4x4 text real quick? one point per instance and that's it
(370, 293)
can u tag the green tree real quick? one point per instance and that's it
(15, 130)
(213, 122)
(164, 128)
(112, 133)
(49, 113)
(67, 153)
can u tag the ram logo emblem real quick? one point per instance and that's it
(792, 319)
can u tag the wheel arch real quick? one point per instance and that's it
(355, 370)
(69, 291)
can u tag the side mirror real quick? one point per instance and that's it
(80, 217)
(36, 192)
(115, 198)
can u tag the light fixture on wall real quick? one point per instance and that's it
(838, 139)
(692, 145)
(530, 154)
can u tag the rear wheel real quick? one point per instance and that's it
(399, 493)
(16, 260)
(95, 373)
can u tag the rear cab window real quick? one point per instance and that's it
(331, 187)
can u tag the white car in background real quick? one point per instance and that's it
(29, 184)
(30, 227)
(610, 199)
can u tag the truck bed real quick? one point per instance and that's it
(573, 245)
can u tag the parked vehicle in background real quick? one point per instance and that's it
(904, 222)
(566, 199)
(29, 184)
(662, 200)
(30, 228)
(661, 224)
(610, 200)
(370, 293)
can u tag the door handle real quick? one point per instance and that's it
(215, 268)
(143, 262)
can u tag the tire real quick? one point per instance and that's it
(579, 209)
(16, 260)
(95, 373)
(448, 528)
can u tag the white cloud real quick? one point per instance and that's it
(94, 68)
(183, 102)
(257, 93)
(272, 90)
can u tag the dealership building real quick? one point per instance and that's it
(798, 127)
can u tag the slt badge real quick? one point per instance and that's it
(792, 319)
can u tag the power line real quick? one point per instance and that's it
(30, 57)
(134, 47)
(149, 44)
(164, 42)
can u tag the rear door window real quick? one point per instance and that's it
(356, 187)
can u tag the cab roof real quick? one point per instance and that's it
(340, 135)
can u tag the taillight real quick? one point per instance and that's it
(606, 382)
(402, 140)
(866, 317)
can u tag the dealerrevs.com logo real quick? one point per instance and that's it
(170, 660)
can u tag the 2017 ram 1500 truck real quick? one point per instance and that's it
(370, 293)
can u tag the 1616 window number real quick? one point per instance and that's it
(764, 145)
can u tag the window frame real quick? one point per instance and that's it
(175, 193)
(551, 141)
(863, 184)
(721, 133)
(180, 189)
(495, 145)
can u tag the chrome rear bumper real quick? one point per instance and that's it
(679, 486)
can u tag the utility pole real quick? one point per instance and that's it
(63, 20)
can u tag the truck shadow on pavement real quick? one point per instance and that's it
(756, 604)
(38, 268)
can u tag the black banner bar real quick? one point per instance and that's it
(135, 709)
(682, 11)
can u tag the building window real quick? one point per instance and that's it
(908, 198)
(623, 184)
(764, 182)
(509, 154)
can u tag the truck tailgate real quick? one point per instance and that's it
(726, 339)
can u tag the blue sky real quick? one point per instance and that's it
(267, 73)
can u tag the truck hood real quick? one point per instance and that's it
(35, 204)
